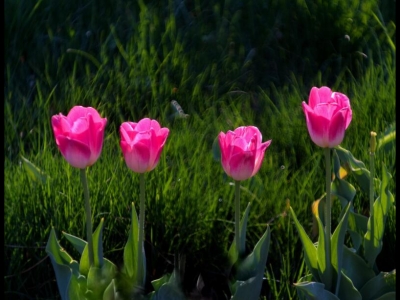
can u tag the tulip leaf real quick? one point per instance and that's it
(383, 283)
(110, 291)
(357, 167)
(388, 296)
(99, 278)
(168, 290)
(62, 262)
(347, 291)
(246, 289)
(310, 251)
(253, 267)
(232, 254)
(33, 171)
(78, 243)
(132, 266)
(355, 267)
(357, 227)
(157, 283)
(343, 190)
(84, 264)
(322, 258)
(314, 291)
(388, 138)
(77, 288)
(376, 222)
(337, 243)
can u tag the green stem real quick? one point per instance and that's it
(328, 214)
(89, 231)
(237, 218)
(141, 227)
(371, 183)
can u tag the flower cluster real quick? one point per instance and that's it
(79, 137)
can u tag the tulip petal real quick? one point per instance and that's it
(344, 101)
(241, 164)
(317, 126)
(260, 156)
(143, 125)
(138, 158)
(77, 154)
(337, 127)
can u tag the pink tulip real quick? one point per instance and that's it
(79, 136)
(328, 114)
(142, 144)
(242, 151)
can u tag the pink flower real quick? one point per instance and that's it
(142, 144)
(79, 136)
(242, 151)
(328, 114)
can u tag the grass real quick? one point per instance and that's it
(129, 60)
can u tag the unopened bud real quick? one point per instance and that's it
(372, 142)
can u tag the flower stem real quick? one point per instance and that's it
(141, 227)
(328, 206)
(89, 231)
(237, 218)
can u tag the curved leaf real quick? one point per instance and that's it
(383, 283)
(135, 269)
(84, 265)
(78, 243)
(347, 291)
(338, 243)
(232, 253)
(61, 262)
(376, 223)
(322, 258)
(310, 251)
(357, 167)
(355, 267)
(314, 291)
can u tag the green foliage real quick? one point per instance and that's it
(226, 64)
(355, 268)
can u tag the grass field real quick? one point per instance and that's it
(227, 64)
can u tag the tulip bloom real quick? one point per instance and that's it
(328, 114)
(242, 151)
(142, 144)
(79, 135)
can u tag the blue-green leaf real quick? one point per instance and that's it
(355, 267)
(170, 290)
(322, 258)
(132, 266)
(254, 264)
(388, 296)
(232, 254)
(110, 292)
(383, 283)
(157, 283)
(337, 243)
(359, 171)
(78, 243)
(33, 171)
(314, 291)
(376, 222)
(84, 264)
(347, 291)
(61, 261)
(99, 278)
(310, 251)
